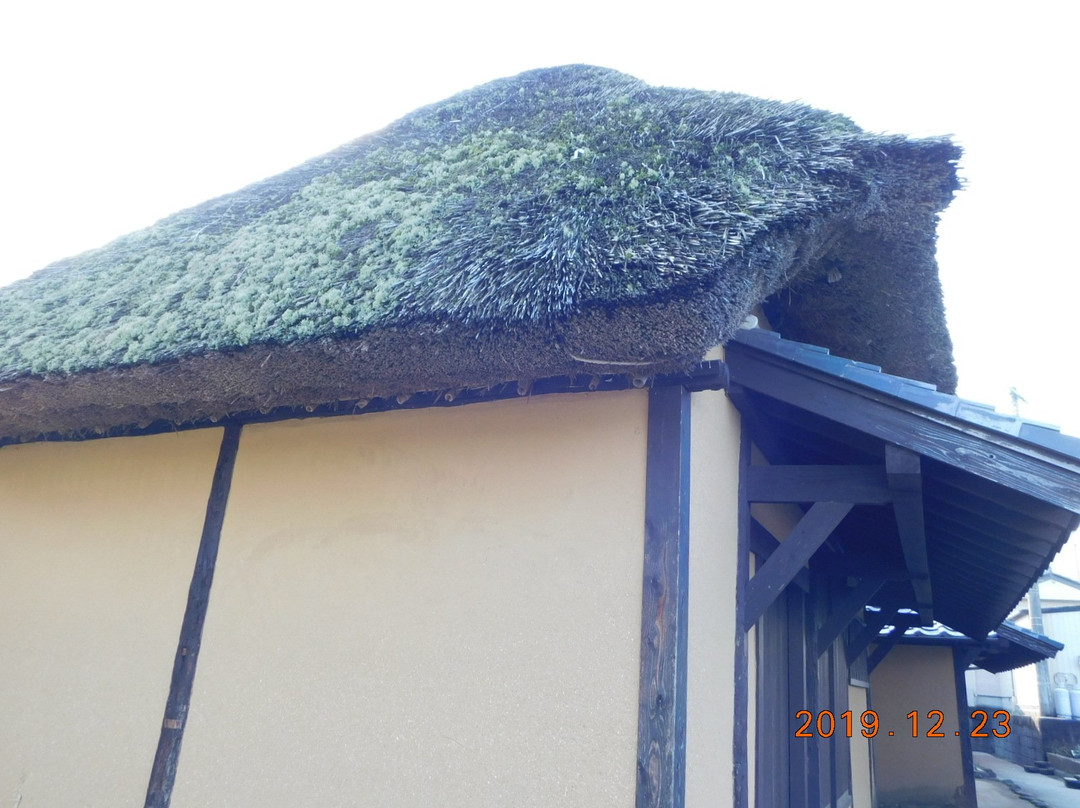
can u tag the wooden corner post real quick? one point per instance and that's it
(661, 765)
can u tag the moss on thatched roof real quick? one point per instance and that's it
(511, 231)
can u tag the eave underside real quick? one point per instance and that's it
(984, 542)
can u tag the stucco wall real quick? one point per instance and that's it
(97, 545)
(713, 529)
(861, 782)
(437, 607)
(916, 770)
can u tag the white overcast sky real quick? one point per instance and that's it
(115, 114)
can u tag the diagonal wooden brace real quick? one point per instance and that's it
(763, 544)
(845, 611)
(869, 632)
(790, 557)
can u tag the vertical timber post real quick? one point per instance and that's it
(163, 773)
(740, 715)
(961, 659)
(661, 765)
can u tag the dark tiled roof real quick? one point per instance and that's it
(915, 392)
(1007, 647)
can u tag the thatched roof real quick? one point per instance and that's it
(562, 221)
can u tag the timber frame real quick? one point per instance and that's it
(661, 767)
(661, 764)
(901, 499)
(896, 502)
(163, 773)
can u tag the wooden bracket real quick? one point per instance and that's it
(904, 471)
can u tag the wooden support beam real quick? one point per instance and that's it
(863, 565)
(763, 544)
(845, 611)
(791, 556)
(740, 780)
(904, 470)
(163, 772)
(885, 645)
(1039, 472)
(661, 765)
(802, 689)
(857, 484)
(869, 632)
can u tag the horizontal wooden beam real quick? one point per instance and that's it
(791, 556)
(857, 484)
(711, 374)
(863, 565)
(1019, 465)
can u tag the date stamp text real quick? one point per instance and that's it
(825, 724)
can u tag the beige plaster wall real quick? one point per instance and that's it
(713, 531)
(916, 769)
(97, 545)
(434, 607)
(862, 794)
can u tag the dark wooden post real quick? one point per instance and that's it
(163, 773)
(740, 718)
(961, 659)
(661, 767)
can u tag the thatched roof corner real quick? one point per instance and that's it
(571, 219)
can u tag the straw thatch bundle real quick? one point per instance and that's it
(564, 220)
